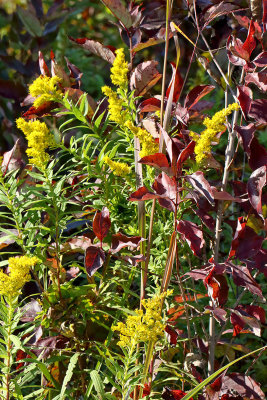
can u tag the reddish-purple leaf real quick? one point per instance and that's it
(158, 160)
(258, 78)
(235, 51)
(178, 83)
(75, 73)
(96, 48)
(242, 277)
(257, 154)
(12, 90)
(185, 154)
(171, 146)
(255, 184)
(261, 59)
(94, 259)
(133, 260)
(246, 243)
(193, 235)
(119, 241)
(245, 96)
(223, 195)
(215, 11)
(41, 111)
(101, 223)
(166, 188)
(244, 385)
(150, 105)
(142, 194)
(196, 94)
(13, 159)
(237, 322)
(200, 184)
(258, 111)
(259, 262)
(248, 319)
(144, 77)
(119, 11)
(219, 313)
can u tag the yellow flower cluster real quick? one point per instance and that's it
(10, 5)
(119, 69)
(143, 326)
(147, 142)
(39, 139)
(118, 168)
(45, 89)
(214, 125)
(116, 113)
(10, 285)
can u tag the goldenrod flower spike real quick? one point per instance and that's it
(118, 168)
(214, 125)
(10, 285)
(119, 69)
(147, 142)
(39, 139)
(45, 89)
(143, 326)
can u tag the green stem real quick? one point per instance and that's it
(149, 356)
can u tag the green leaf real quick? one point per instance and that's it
(30, 21)
(67, 378)
(98, 384)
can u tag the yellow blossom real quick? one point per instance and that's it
(116, 112)
(147, 142)
(10, 285)
(118, 168)
(39, 139)
(119, 69)
(11, 5)
(214, 125)
(45, 89)
(144, 326)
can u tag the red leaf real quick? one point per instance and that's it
(94, 259)
(101, 223)
(244, 385)
(146, 391)
(256, 311)
(196, 94)
(219, 286)
(144, 77)
(222, 195)
(255, 184)
(245, 97)
(235, 51)
(172, 335)
(40, 111)
(250, 42)
(219, 314)
(171, 146)
(178, 83)
(169, 394)
(119, 241)
(199, 183)
(193, 235)
(96, 48)
(150, 105)
(142, 194)
(158, 160)
(42, 64)
(215, 11)
(185, 154)
(237, 323)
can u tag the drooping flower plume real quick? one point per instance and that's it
(118, 168)
(12, 283)
(39, 140)
(45, 89)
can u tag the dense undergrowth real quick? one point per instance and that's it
(132, 200)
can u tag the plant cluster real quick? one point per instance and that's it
(133, 226)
